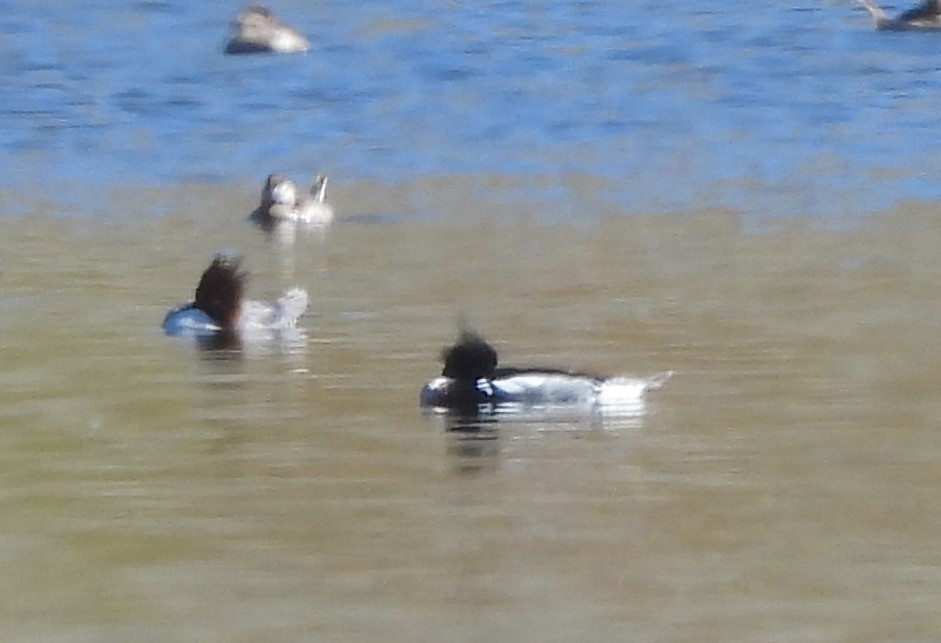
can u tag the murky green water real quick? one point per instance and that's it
(783, 486)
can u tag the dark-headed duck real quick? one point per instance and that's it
(471, 378)
(220, 305)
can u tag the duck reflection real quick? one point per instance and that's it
(223, 345)
(473, 441)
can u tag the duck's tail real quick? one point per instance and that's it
(626, 394)
(655, 382)
(879, 17)
(291, 305)
(319, 189)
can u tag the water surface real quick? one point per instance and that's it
(748, 199)
(777, 109)
(782, 485)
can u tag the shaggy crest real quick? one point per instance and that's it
(220, 290)
(470, 359)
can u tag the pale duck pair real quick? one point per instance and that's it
(281, 201)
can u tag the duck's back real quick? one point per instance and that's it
(928, 12)
(188, 321)
(544, 386)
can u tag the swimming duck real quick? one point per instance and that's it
(257, 30)
(221, 308)
(927, 15)
(471, 380)
(280, 201)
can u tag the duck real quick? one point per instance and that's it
(471, 381)
(256, 30)
(280, 201)
(219, 307)
(925, 16)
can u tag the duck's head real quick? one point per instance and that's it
(220, 290)
(254, 17)
(470, 359)
(279, 190)
(257, 30)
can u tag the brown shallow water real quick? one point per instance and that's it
(784, 485)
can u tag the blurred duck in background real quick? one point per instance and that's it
(256, 30)
(280, 201)
(927, 15)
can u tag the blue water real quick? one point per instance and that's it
(767, 108)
